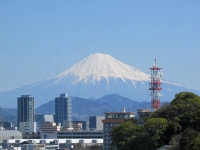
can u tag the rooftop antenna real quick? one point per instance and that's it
(124, 110)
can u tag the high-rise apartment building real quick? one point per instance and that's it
(25, 109)
(113, 119)
(63, 110)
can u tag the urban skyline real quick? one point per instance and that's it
(101, 54)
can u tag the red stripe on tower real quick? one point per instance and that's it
(155, 86)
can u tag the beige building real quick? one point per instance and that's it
(77, 126)
(48, 130)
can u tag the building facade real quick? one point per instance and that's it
(77, 126)
(25, 109)
(95, 122)
(48, 130)
(85, 124)
(79, 134)
(52, 144)
(63, 110)
(43, 118)
(9, 134)
(111, 120)
(27, 127)
(143, 113)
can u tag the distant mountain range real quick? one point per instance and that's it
(8, 114)
(93, 77)
(82, 108)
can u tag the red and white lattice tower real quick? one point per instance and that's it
(155, 86)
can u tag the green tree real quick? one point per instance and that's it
(180, 119)
(143, 141)
(184, 110)
(128, 136)
(161, 112)
(186, 107)
(187, 136)
(121, 134)
(194, 144)
(156, 127)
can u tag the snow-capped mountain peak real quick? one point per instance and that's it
(80, 79)
(102, 66)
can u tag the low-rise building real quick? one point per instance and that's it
(40, 144)
(48, 130)
(95, 122)
(80, 134)
(10, 134)
(143, 113)
(43, 118)
(77, 126)
(35, 135)
(27, 127)
(85, 124)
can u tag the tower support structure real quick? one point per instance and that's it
(155, 86)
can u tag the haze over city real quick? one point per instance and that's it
(39, 39)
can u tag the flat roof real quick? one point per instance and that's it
(114, 120)
(144, 110)
(132, 113)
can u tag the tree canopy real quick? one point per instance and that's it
(181, 118)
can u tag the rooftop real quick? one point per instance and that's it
(143, 110)
(109, 113)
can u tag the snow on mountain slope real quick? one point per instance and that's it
(95, 76)
(102, 66)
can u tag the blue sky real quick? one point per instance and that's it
(41, 38)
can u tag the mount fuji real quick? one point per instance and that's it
(94, 76)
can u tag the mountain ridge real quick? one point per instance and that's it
(82, 108)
